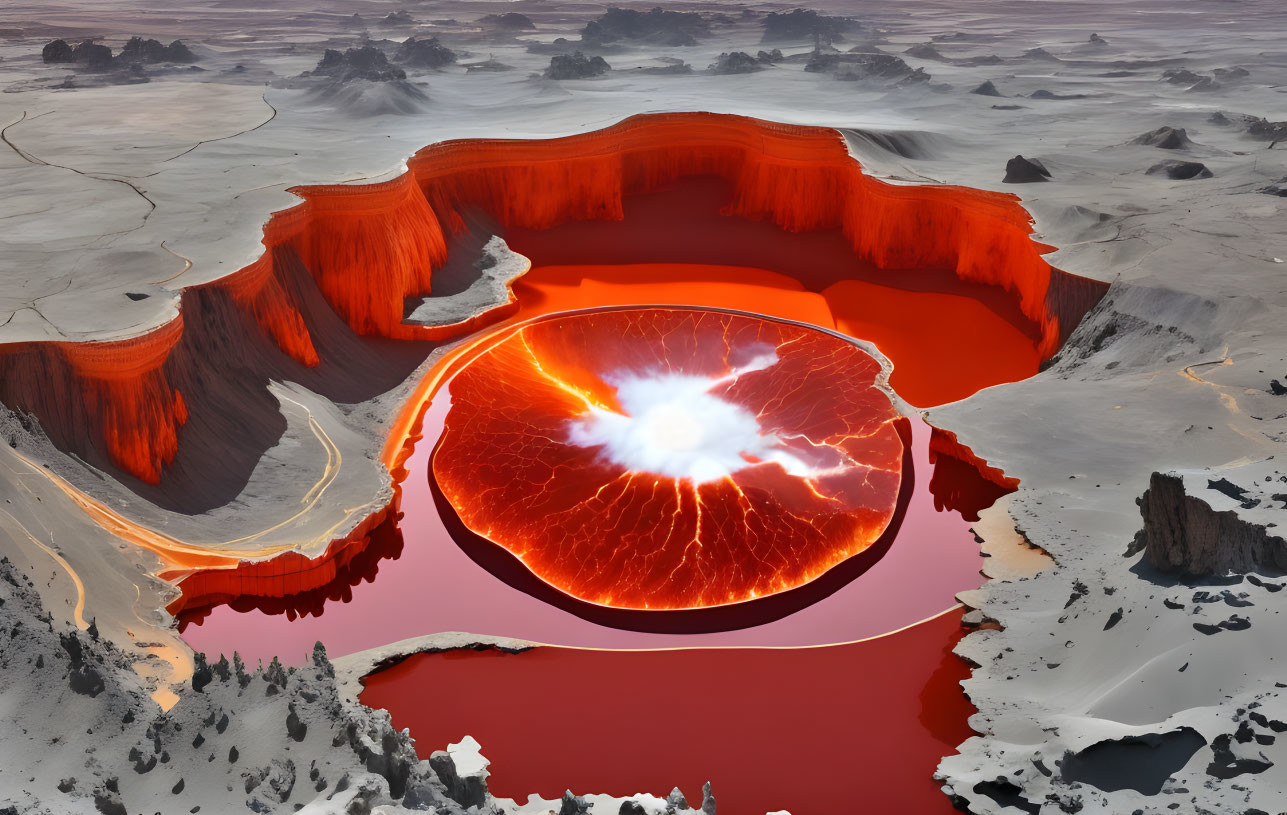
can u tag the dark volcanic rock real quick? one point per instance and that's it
(1020, 170)
(863, 66)
(658, 26)
(1007, 794)
(736, 62)
(1267, 130)
(1040, 53)
(57, 51)
(803, 24)
(152, 51)
(1141, 763)
(1097, 40)
(509, 21)
(576, 66)
(1183, 534)
(469, 791)
(1230, 761)
(573, 805)
(1180, 76)
(987, 89)
(769, 57)
(402, 17)
(92, 55)
(368, 63)
(424, 53)
(1180, 170)
(1167, 138)
(924, 51)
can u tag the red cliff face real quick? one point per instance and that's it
(365, 249)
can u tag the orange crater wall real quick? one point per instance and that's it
(368, 248)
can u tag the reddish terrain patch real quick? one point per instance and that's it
(817, 731)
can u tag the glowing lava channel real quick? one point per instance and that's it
(726, 457)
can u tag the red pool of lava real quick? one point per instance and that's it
(855, 728)
(672, 458)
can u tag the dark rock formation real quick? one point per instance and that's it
(631, 807)
(657, 27)
(1006, 793)
(924, 51)
(573, 805)
(401, 17)
(1141, 763)
(121, 773)
(803, 24)
(92, 55)
(1040, 53)
(1180, 76)
(428, 53)
(1167, 138)
(987, 89)
(769, 57)
(1097, 40)
(57, 51)
(367, 63)
(863, 66)
(1183, 534)
(675, 801)
(1230, 759)
(1266, 130)
(736, 62)
(708, 800)
(576, 66)
(468, 791)
(509, 21)
(138, 49)
(1020, 170)
(1180, 170)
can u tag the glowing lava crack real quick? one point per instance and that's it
(668, 458)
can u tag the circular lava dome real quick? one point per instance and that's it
(672, 458)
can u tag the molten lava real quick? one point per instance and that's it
(672, 458)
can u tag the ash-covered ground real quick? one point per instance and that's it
(1141, 674)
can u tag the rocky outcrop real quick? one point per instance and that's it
(576, 66)
(861, 66)
(1020, 170)
(736, 62)
(1182, 533)
(806, 25)
(1180, 170)
(1167, 138)
(426, 53)
(272, 740)
(655, 27)
(366, 63)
